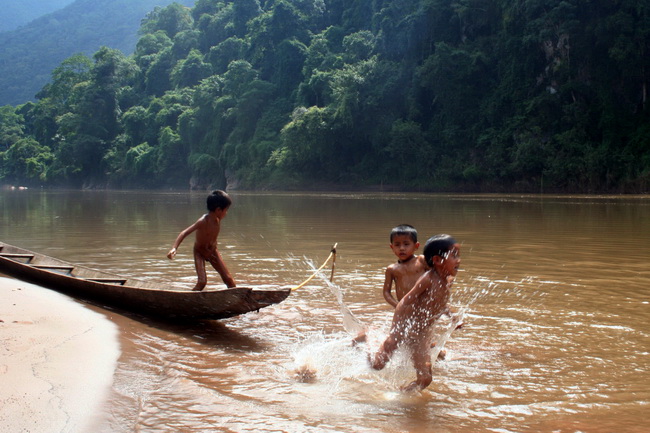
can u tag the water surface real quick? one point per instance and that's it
(556, 335)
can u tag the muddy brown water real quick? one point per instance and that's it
(556, 335)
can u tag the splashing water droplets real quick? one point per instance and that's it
(350, 323)
(334, 361)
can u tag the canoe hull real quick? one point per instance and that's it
(134, 295)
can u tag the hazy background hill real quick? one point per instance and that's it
(18, 13)
(30, 53)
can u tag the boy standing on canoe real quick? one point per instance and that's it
(419, 309)
(205, 246)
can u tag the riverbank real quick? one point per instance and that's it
(57, 360)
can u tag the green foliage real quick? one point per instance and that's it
(190, 71)
(140, 161)
(406, 154)
(470, 95)
(72, 71)
(11, 127)
(25, 161)
(171, 20)
(225, 52)
(307, 144)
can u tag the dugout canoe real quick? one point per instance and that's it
(142, 297)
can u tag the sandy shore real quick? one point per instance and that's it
(57, 360)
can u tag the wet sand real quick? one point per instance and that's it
(57, 360)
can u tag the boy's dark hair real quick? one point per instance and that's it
(438, 245)
(404, 229)
(218, 200)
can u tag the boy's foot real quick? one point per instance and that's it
(361, 338)
(358, 340)
(305, 374)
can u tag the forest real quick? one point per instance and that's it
(530, 96)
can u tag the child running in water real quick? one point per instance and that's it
(419, 309)
(205, 246)
(405, 273)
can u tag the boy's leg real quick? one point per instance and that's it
(383, 355)
(199, 264)
(217, 263)
(422, 362)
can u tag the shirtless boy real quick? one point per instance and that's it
(409, 267)
(419, 309)
(405, 273)
(205, 246)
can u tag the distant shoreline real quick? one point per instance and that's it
(324, 189)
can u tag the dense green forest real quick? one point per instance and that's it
(30, 53)
(423, 95)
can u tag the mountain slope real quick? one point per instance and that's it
(31, 52)
(18, 13)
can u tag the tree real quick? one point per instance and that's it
(243, 12)
(11, 127)
(481, 95)
(157, 77)
(190, 71)
(307, 145)
(25, 161)
(149, 46)
(225, 52)
(72, 71)
(216, 27)
(172, 19)
(358, 46)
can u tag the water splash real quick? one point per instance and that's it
(443, 337)
(351, 323)
(500, 290)
(334, 360)
(328, 360)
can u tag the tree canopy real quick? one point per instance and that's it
(426, 95)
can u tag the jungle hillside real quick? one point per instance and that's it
(531, 96)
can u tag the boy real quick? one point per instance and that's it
(409, 267)
(205, 246)
(418, 310)
(405, 273)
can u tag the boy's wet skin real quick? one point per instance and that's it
(418, 311)
(207, 229)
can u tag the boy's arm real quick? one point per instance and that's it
(421, 284)
(388, 284)
(182, 235)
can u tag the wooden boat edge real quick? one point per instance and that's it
(149, 299)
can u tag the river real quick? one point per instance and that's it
(556, 293)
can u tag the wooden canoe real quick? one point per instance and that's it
(138, 296)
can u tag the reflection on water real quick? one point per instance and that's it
(556, 335)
